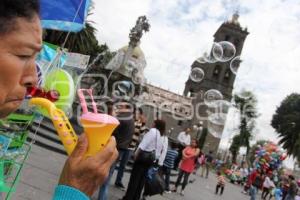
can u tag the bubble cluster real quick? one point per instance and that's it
(224, 51)
(197, 74)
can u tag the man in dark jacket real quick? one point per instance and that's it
(123, 134)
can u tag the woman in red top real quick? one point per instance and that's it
(187, 164)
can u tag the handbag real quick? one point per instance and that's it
(154, 183)
(145, 157)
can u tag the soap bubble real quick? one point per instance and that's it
(228, 51)
(209, 58)
(211, 97)
(215, 130)
(217, 50)
(197, 74)
(125, 86)
(217, 118)
(234, 64)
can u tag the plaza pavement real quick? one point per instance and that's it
(42, 168)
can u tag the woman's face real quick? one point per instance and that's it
(18, 50)
(193, 143)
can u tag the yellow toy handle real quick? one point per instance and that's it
(61, 123)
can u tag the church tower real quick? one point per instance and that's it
(217, 76)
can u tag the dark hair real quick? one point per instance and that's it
(160, 125)
(291, 177)
(140, 110)
(13, 9)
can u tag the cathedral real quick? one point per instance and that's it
(189, 109)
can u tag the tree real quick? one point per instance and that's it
(235, 147)
(246, 103)
(286, 122)
(202, 138)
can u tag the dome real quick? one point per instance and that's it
(137, 52)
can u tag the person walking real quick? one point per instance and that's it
(293, 189)
(267, 186)
(220, 183)
(256, 183)
(187, 165)
(184, 140)
(123, 134)
(208, 162)
(149, 150)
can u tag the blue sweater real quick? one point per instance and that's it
(64, 192)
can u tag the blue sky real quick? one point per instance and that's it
(182, 30)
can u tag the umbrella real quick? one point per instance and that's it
(64, 15)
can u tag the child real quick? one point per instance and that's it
(220, 183)
(171, 156)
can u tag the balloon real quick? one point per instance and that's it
(283, 156)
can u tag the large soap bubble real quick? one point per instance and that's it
(211, 97)
(234, 64)
(227, 53)
(197, 74)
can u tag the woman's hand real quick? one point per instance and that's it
(88, 173)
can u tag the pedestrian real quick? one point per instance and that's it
(123, 134)
(208, 162)
(293, 189)
(20, 42)
(184, 140)
(256, 183)
(148, 151)
(168, 165)
(267, 186)
(220, 183)
(187, 165)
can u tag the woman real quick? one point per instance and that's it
(187, 165)
(147, 153)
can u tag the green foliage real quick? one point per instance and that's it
(235, 147)
(286, 122)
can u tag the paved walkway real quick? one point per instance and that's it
(41, 173)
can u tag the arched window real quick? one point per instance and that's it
(217, 71)
(227, 37)
(227, 75)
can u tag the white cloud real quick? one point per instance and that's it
(181, 30)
